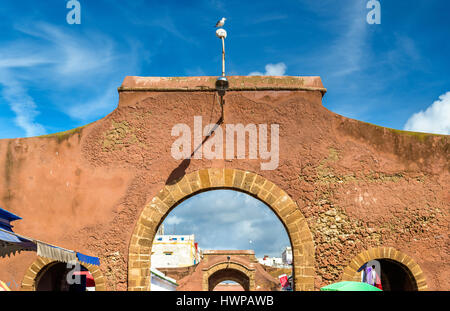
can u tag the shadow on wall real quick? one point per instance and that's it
(179, 172)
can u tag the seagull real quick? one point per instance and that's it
(221, 22)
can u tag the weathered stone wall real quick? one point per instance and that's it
(358, 185)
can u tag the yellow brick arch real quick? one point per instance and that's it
(41, 264)
(351, 271)
(170, 196)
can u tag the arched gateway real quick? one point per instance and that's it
(399, 268)
(170, 196)
(42, 266)
(229, 271)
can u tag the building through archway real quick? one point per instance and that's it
(224, 219)
(228, 274)
(257, 186)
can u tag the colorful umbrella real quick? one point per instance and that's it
(350, 286)
(3, 287)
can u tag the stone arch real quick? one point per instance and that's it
(248, 273)
(215, 178)
(351, 271)
(41, 264)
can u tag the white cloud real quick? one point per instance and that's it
(95, 107)
(62, 61)
(173, 220)
(278, 69)
(226, 219)
(435, 119)
(21, 104)
(70, 52)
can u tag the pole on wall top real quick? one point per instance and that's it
(222, 84)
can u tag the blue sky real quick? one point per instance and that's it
(55, 76)
(226, 219)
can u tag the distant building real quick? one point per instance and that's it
(284, 262)
(271, 261)
(160, 230)
(161, 282)
(174, 251)
(286, 256)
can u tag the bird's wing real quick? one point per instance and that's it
(218, 23)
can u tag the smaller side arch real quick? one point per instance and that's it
(41, 264)
(351, 271)
(221, 266)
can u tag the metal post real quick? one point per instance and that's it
(223, 57)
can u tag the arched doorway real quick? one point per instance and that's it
(257, 186)
(396, 276)
(398, 271)
(230, 275)
(48, 275)
(54, 278)
(231, 271)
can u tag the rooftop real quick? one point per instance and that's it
(228, 252)
(237, 83)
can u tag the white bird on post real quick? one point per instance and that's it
(221, 22)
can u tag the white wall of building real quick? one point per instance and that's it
(162, 283)
(173, 251)
(271, 261)
(285, 261)
(287, 256)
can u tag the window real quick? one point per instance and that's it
(168, 253)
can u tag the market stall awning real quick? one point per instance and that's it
(11, 242)
(346, 286)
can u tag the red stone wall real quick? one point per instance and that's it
(359, 185)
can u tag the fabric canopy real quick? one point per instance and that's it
(11, 242)
(350, 286)
(88, 259)
(8, 248)
(55, 253)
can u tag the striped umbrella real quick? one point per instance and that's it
(3, 287)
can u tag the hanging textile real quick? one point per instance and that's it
(11, 242)
(55, 253)
(88, 259)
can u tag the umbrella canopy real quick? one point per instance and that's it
(4, 287)
(350, 286)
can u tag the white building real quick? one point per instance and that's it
(173, 251)
(287, 256)
(284, 262)
(162, 283)
(271, 261)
